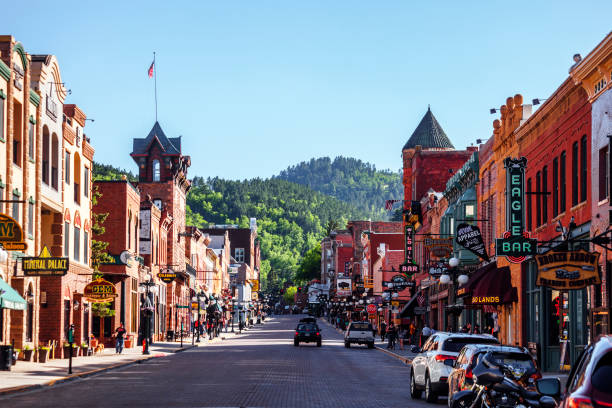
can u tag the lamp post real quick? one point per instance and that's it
(147, 284)
(196, 298)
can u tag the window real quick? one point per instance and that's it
(2, 117)
(77, 178)
(45, 156)
(538, 201)
(603, 173)
(1, 197)
(86, 182)
(583, 168)
(469, 210)
(31, 219)
(555, 187)
(158, 203)
(15, 207)
(54, 162)
(66, 239)
(77, 243)
(67, 167)
(129, 231)
(575, 173)
(451, 225)
(135, 234)
(529, 209)
(31, 140)
(562, 183)
(85, 247)
(156, 170)
(239, 254)
(17, 129)
(545, 196)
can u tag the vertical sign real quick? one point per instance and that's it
(515, 244)
(144, 244)
(409, 267)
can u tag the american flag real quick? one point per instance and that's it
(389, 204)
(421, 299)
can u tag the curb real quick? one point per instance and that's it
(68, 378)
(403, 359)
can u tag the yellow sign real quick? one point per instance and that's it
(568, 270)
(11, 234)
(100, 291)
(255, 287)
(485, 300)
(44, 265)
(395, 303)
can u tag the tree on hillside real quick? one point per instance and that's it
(332, 225)
(310, 267)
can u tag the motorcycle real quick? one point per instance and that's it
(497, 385)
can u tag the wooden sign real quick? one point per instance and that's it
(100, 291)
(167, 275)
(45, 265)
(439, 247)
(568, 270)
(11, 234)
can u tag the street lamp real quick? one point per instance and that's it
(147, 309)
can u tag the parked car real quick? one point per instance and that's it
(307, 333)
(428, 372)
(359, 333)
(461, 379)
(589, 383)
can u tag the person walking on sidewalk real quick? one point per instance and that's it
(119, 333)
(391, 334)
(383, 330)
(425, 333)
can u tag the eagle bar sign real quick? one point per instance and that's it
(45, 265)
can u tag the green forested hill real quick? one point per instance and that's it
(349, 180)
(290, 218)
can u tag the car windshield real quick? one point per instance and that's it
(455, 344)
(514, 359)
(306, 327)
(602, 374)
(361, 326)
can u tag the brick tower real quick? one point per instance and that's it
(162, 174)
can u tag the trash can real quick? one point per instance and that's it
(6, 357)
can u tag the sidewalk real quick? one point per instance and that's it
(27, 375)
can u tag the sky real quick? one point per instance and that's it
(256, 86)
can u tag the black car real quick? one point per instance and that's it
(307, 333)
(312, 320)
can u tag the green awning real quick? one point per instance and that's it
(9, 298)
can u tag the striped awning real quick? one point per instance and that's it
(9, 298)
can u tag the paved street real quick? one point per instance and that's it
(260, 368)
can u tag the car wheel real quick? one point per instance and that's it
(430, 395)
(370, 345)
(296, 343)
(319, 343)
(347, 344)
(415, 393)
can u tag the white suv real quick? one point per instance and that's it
(359, 333)
(428, 370)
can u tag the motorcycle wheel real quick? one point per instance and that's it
(464, 402)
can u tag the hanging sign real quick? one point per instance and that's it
(516, 244)
(344, 287)
(167, 275)
(11, 234)
(100, 291)
(44, 265)
(409, 268)
(255, 287)
(439, 247)
(568, 270)
(469, 237)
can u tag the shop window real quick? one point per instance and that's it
(529, 209)
(603, 173)
(67, 168)
(545, 196)
(66, 317)
(1, 315)
(45, 155)
(451, 225)
(538, 201)
(95, 326)
(156, 170)
(31, 219)
(555, 186)
(584, 169)
(239, 254)
(77, 244)
(85, 322)
(66, 239)
(30, 314)
(575, 173)
(15, 207)
(134, 311)
(562, 183)
(54, 161)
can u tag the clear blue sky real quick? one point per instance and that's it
(256, 86)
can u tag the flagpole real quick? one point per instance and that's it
(155, 75)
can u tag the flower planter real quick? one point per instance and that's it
(128, 343)
(75, 351)
(85, 351)
(43, 355)
(28, 355)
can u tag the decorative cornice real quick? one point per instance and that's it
(18, 48)
(595, 66)
(88, 151)
(68, 133)
(5, 71)
(34, 98)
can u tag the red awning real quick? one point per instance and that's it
(495, 288)
(466, 290)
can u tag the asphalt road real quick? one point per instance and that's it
(260, 368)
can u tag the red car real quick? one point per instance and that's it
(589, 384)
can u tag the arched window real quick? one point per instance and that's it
(77, 178)
(156, 170)
(30, 313)
(54, 161)
(46, 155)
(129, 230)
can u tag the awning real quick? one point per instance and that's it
(408, 309)
(9, 298)
(474, 280)
(495, 288)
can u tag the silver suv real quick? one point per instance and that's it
(359, 333)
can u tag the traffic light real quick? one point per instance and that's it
(299, 289)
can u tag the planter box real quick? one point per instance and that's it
(43, 356)
(75, 352)
(128, 343)
(28, 355)
(85, 351)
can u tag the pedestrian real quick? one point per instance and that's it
(476, 329)
(383, 330)
(391, 333)
(469, 328)
(119, 334)
(425, 333)
(412, 333)
(401, 336)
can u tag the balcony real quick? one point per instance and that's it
(368, 282)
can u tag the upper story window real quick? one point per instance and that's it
(156, 170)
(86, 182)
(158, 203)
(17, 129)
(2, 97)
(31, 129)
(67, 168)
(469, 210)
(15, 207)
(239, 254)
(600, 85)
(77, 178)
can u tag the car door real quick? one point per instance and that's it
(419, 363)
(456, 375)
